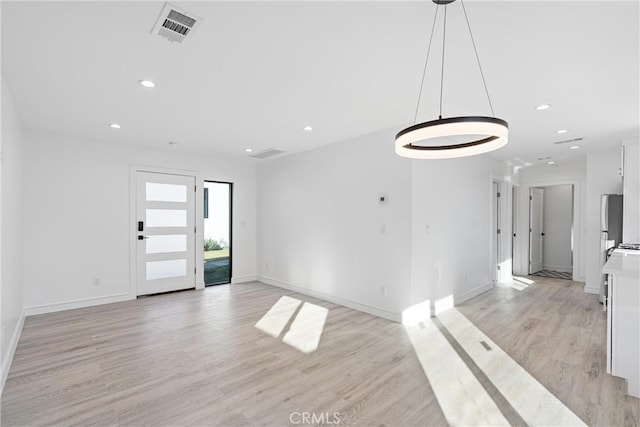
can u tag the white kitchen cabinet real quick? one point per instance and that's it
(623, 318)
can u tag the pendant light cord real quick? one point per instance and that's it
(477, 58)
(444, 39)
(426, 61)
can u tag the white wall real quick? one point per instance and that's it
(631, 191)
(322, 231)
(77, 205)
(451, 253)
(569, 172)
(603, 177)
(11, 230)
(557, 218)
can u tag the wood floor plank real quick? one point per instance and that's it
(195, 358)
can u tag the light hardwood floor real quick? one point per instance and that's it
(195, 358)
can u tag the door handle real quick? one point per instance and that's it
(142, 237)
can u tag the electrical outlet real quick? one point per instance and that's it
(383, 199)
(383, 229)
(97, 281)
(383, 291)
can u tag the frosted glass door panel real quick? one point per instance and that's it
(166, 218)
(157, 192)
(166, 243)
(166, 269)
(165, 232)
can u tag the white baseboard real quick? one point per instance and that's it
(243, 279)
(591, 290)
(396, 317)
(558, 268)
(80, 303)
(13, 344)
(459, 299)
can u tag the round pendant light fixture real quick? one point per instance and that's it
(451, 137)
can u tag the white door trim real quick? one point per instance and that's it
(495, 224)
(503, 257)
(536, 228)
(132, 226)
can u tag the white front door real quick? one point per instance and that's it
(536, 233)
(165, 232)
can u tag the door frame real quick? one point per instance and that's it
(496, 224)
(500, 253)
(231, 185)
(523, 226)
(515, 249)
(132, 228)
(530, 262)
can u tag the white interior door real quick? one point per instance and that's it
(536, 233)
(165, 232)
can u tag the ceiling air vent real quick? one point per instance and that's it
(269, 152)
(566, 141)
(174, 24)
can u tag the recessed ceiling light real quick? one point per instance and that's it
(543, 107)
(308, 128)
(574, 147)
(147, 83)
(115, 126)
(551, 162)
(249, 150)
(562, 131)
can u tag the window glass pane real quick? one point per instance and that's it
(166, 218)
(166, 269)
(157, 192)
(168, 243)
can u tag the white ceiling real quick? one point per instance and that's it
(253, 74)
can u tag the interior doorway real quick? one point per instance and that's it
(218, 197)
(551, 231)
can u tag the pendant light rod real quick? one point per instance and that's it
(444, 39)
(477, 57)
(426, 61)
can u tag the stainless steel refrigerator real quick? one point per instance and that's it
(610, 232)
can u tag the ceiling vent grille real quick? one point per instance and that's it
(566, 141)
(269, 152)
(174, 24)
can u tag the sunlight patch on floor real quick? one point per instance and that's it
(306, 329)
(523, 280)
(519, 283)
(459, 393)
(275, 320)
(534, 403)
